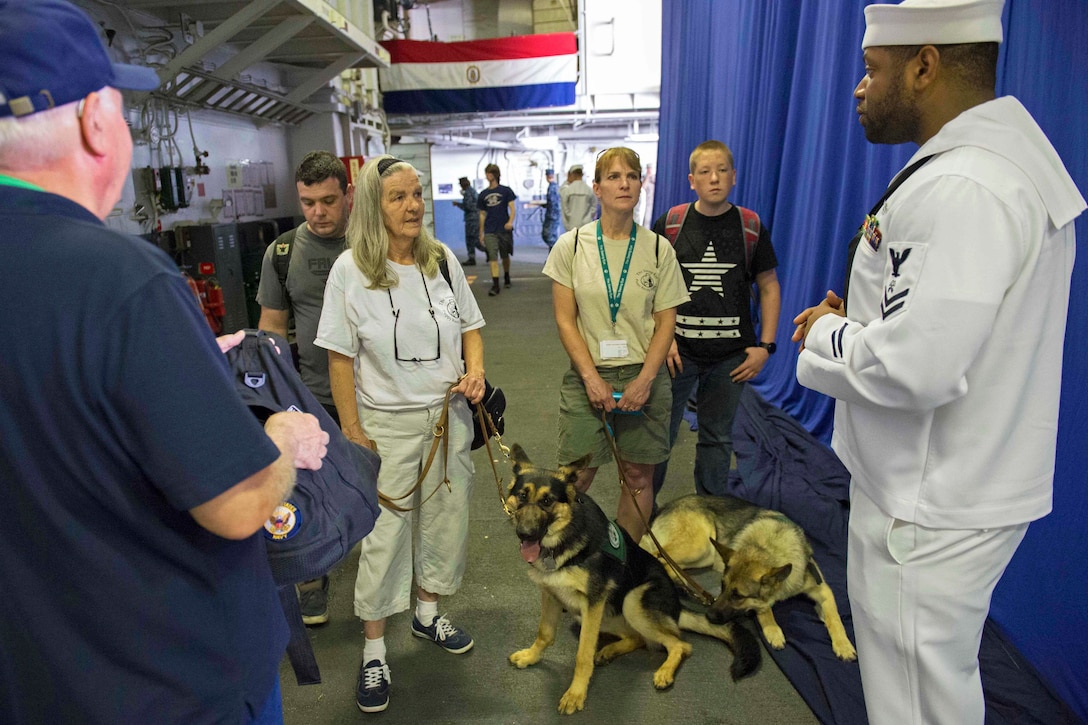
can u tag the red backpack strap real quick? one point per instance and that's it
(750, 221)
(674, 220)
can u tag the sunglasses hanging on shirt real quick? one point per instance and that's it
(396, 323)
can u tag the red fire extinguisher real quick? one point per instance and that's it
(216, 307)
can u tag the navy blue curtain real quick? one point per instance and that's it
(775, 81)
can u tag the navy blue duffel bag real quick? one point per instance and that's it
(329, 511)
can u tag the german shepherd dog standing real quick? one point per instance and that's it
(763, 557)
(583, 562)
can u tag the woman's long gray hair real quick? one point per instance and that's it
(367, 236)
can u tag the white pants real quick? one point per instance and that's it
(433, 540)
(919, 599)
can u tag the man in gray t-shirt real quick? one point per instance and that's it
(324, 195)
(577, 200)
(309, 250)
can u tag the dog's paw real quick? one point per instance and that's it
(611, 651)
(775, 637)
(524, 657)
(844, 650)
(664, 677)
(572, 701)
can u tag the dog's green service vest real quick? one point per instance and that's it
(614, 545)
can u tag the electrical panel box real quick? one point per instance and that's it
(214, 252)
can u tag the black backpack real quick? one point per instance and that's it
(329, 510)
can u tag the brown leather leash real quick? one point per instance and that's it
(493, 432)
(441, 430)
(686, 580)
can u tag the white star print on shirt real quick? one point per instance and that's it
(708, 271)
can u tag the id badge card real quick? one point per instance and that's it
(612, 349)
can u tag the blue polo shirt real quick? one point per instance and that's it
(117, 416)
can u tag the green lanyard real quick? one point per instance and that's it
(18, 183)
(615, 297)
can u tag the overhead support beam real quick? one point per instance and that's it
(296, 39)
(253, 53)
(264, 45)
(321, 78)
(217, 37)
(450, 140)
(375, 55)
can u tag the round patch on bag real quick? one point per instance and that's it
(284, 522)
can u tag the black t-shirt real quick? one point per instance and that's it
(717, 322)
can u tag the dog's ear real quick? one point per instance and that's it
(725, 552)
(570, 471)
(777, 576)
(521, 460)
(572, 493)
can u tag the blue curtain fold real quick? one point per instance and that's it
(775, 80)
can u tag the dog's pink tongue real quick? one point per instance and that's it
(530, 551)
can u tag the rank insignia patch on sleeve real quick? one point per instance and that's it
(902, 272)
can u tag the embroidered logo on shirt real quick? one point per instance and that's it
(284, 522)
(646, 279)
(451, 311)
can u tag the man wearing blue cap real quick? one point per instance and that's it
(946, 356)
(139, 590)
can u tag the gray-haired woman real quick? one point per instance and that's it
(398, 336)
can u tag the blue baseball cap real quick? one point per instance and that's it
(51, 54)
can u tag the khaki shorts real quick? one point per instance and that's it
(642, 438)
(499, 244)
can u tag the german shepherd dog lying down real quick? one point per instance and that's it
(583, 562)
(763, 557)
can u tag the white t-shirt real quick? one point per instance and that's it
(405, 356)
(654, 283)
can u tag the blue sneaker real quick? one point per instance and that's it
(452, 639)
(372, 692)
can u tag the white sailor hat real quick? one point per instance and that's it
(933, 22)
